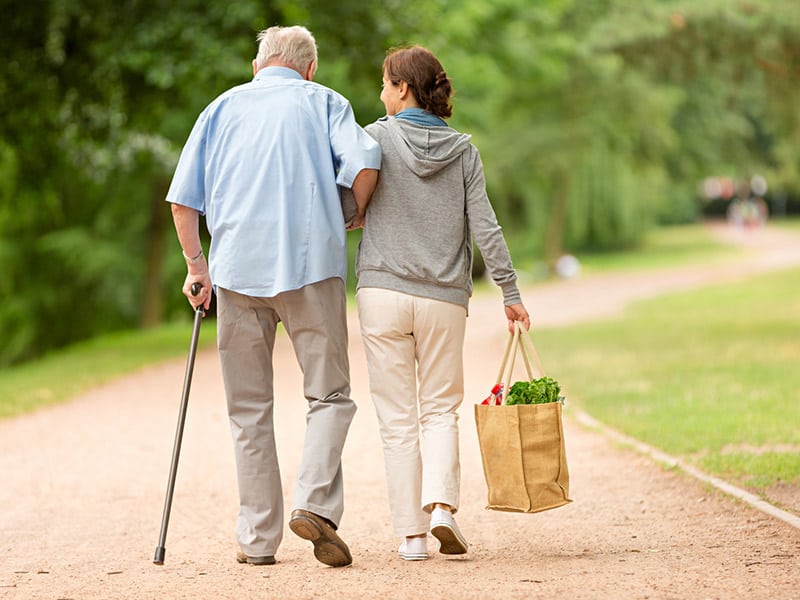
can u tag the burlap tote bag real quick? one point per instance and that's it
(522, 445)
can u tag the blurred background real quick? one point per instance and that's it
(597, 122)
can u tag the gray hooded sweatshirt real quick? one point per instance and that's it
(429, 203)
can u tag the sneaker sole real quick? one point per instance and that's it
(329, 549)
(406, 556)
(449, 540)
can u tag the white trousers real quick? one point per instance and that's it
(414, 349)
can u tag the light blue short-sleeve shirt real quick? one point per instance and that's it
(263, 162)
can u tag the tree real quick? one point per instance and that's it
(87, 146)
(594, 120)
(597, 120)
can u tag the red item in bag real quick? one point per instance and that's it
(495, 398)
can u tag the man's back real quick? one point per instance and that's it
(273, 151)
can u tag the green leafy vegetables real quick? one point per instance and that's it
(536, 391)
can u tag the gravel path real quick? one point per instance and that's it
(83, 488)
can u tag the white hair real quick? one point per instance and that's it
(293, 45)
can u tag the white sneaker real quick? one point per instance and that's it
(414, 549)
(444, 529)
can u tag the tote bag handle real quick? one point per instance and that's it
(529, 352)
(533, 366)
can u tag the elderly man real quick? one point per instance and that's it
(263, 163)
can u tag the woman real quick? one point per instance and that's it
(414, 270)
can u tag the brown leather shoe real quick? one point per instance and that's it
(329, 548)
(241, 557)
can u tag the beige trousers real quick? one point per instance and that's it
(414, 350)
(315, 319)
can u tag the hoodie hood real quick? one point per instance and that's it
(424, 150)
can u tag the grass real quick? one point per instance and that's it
(66, 373)
(709, 375)
(664, 247)
(789, 224)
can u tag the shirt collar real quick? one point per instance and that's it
(277, 72)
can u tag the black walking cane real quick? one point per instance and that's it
(176, 449)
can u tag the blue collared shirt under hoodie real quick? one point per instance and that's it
(262, 163)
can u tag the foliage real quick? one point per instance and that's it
(88, 144)
(536, 391)
(736, 67)
(595, 121)
(602, 119)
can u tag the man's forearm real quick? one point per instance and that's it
(187, 226)
(363, 187)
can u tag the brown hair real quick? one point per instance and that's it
(424, 74)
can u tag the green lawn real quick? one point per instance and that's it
(710, 376)
(68, 372)
(664, 247)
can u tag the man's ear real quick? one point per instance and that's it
(255, 67)
(312, 69)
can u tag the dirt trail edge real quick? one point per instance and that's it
(82, 489)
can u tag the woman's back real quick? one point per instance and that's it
(416, 231)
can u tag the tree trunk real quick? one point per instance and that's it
(556, 221)
(152, 304)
